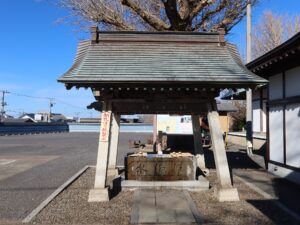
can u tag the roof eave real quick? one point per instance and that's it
(216, 84)
(277, 51)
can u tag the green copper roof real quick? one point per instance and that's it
(173, 58)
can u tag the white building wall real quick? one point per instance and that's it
(41, 117)
(275, 87)
(276, 134)
(174, 124)
(259, 115)
(293, 135)
(38, 117)
(292, 83)
(256, 116)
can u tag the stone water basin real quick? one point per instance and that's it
(165, 167)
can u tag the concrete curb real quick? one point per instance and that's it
(38, 209)
(193, 208)
(269, 197)
(257, 189)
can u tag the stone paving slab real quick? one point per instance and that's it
(163, 206)
(285, 193)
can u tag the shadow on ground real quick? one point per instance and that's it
(236, 160)
(270, 209)
(115, 188)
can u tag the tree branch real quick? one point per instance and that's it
(112, 17)
(184, 9)
(152, 20)
(119, 24)
(233, 14)
(171, 11)
(160, 15)
(237, 20)
(209, 15)
(199, 7)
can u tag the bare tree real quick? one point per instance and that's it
(272, 30)
(159, 15)
(238, 117)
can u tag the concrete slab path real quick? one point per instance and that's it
(282, 191)
(167, 206)
(253, 172)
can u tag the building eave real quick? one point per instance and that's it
(283, 57)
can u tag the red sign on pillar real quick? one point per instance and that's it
(105, 123)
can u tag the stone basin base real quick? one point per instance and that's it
(193, 185)
(166, 167)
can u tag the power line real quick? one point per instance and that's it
(29, 96)
(71, 105)
(15, 111)
(49, 99)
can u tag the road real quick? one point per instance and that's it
(33, 166)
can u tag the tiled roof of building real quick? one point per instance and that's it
(169, 57)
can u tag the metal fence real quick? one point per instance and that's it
(84, 127)
(36, 128)
(125, 127)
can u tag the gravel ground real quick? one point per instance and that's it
(251, 209)
(71, 207)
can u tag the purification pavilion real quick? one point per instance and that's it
(158, 73)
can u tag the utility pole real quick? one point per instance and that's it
(77, 116)
(3, 104)
(249, 133)
(51, 103)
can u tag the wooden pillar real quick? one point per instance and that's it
(249, 129)
(226, 191)
(154, 128)
(198, 149)
(100, 191)
(113, 147)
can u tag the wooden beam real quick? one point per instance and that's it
(171, 107)
(163, 100)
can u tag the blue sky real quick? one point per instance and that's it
(35, 51)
